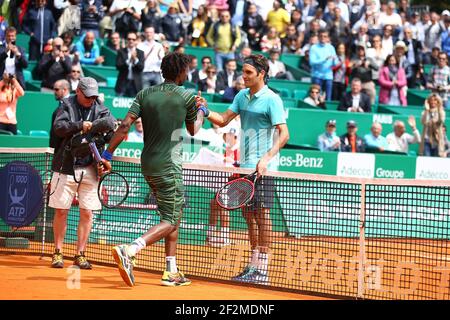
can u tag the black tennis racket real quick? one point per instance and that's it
(113, 188)
(237, 193)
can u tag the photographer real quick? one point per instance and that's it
(12, 57)
(439, 79)
(80, 118)
(54, 66)
(10, 92)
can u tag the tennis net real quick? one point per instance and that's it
(358, 238)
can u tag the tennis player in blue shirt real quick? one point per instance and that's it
(263, 133)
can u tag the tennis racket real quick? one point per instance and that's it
(113, 188)
(237, 193)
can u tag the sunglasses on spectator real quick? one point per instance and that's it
(76, 71)
(131, 39)
(315, 91)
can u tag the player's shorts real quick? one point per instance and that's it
(169, 194)
(264, 196)
(63, 188)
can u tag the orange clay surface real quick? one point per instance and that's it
(29, 277)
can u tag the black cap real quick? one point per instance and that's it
(351, 123)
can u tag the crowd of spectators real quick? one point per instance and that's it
(363, 44)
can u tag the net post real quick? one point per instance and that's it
(362, 243)
(44, 218)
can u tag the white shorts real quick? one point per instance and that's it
(63, 189)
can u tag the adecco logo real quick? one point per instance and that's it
(122, 102)
(384, 173)
(355, 165)
(428, 168)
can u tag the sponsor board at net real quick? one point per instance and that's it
(429, 168)
(357, 165)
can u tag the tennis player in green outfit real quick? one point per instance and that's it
(163, 109)
(263, 133)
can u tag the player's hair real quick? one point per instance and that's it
(260, 63)
(173, 64)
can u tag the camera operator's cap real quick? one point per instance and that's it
(331, 123)
(351, 124)
(88, 86)
(401, 44)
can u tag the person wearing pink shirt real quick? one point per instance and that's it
(10, 92)
(392, 81)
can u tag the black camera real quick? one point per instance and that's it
(10, 76)
(13, 43)
(58, 47)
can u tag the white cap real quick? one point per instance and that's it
(445, 13)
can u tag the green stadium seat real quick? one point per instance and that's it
(39, 133)
(111, 81)
(284, 93)
(27, 75)
(300, 94)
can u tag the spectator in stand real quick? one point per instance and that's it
(393, 83)
(151, 16)
(209, 84)
(270, 41)
(166, 47)
(432, 36)
(413, 53)
(88, 50)
(290, 43)
(114, 42)
(399, 140)
(417, 28)
(445, 36)
(439, 79)
(361, 35)
(338, 27)
(341, 72)
(68, 38)
(226, 77)
(10, 10)
(172, 26)
(433, 119)
(434, 57)
(125, 16)
(355, 100)
(70, 18)
(329, 141)
(362, 69)
(387, 41)
(314, 97)
(137, 135)
(225, 38)
(253, 26)
(314, 39)
(130, 63)
(216, 7)
(164, 6)
(329, 11)
(304, 62)
(374, 140)
(392, 18)
(54, 66)
(230, 93)
(91, 15)
(308, 30)
(3, 26)
(322, 57)
(74, 77)
(243, 54)
(40, 25)
(10, 92)
(73, 59)
(192, 75)
(153, 55)
(351, 142)
(278, 18)
(179, 49)
(61, 91)
(199, 27)
(296, 18)
(12, 57)
(202, 73)
(403, 62)
(277, 69)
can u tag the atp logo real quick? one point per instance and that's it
(21, 196)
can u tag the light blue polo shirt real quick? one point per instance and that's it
(259, 114)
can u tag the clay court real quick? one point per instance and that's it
(30, 277)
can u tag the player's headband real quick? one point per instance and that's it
(258, 67)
